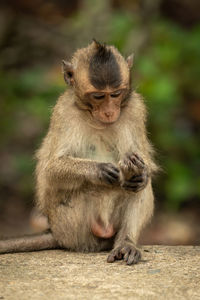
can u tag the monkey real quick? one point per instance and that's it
(95, 165)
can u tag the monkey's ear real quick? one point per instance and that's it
(68, 72)
(96, 43)
(129, 60)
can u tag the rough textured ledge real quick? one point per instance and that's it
(164, 273)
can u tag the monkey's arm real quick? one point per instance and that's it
(70, 169)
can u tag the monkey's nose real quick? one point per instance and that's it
(109, 114)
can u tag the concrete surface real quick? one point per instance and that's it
(165, 273)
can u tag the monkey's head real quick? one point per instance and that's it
(100, 77)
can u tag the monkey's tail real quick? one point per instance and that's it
(42, 241)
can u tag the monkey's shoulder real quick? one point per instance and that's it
(64, 108)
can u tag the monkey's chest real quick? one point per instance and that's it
(101, 150)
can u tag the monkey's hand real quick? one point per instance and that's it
(128, 252)
(108, 174)
(134, 173)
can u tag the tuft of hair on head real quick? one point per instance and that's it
(104, 68)
(102, 52)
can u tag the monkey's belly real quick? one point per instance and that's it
(102, 231)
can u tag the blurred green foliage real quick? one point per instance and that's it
(166, 72)
(25, 108)
(169, 73)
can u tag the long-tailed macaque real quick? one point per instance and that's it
(95, 164)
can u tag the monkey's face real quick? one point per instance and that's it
(100, 77)
(105, 106)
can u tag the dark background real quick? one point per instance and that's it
(165, 38)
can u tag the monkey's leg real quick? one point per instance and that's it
(138, 212)
(71, 228)
(37, 242)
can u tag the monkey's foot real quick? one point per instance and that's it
(129, 253)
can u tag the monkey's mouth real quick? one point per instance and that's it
(106, 120)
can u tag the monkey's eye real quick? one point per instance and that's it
(115, 94)
(98, 96)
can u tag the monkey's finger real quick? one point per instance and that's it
(110, 169)
(112, 173)
(139, 178)
(133, 184)
(108, 166)
(110, 177)
(136, 188)
(111, 166)
(114, 255)
(111, 258)
(139, 158)
(126, 254)
(134, 257)
(137, 162)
